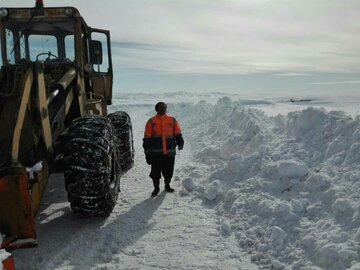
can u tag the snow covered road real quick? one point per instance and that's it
(170, 231)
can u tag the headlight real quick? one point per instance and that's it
(69, 11)
(3, 12)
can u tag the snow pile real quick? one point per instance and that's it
(286, 186)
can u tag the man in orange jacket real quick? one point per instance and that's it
(162, 135)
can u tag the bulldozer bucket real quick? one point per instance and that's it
(16, 214)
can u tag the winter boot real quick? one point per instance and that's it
(167, 185)
(156, 183)
(168, 188)
(155, 192)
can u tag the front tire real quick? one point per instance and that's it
(92, 170)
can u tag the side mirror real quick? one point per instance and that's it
(95, 48)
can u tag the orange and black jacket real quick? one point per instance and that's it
(162, 135)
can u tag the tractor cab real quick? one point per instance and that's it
(60, 40)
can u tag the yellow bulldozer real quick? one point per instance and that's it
(56, 81)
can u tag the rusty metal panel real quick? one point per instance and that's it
(16, 213)
(8, 263)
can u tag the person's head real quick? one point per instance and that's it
(160, 108)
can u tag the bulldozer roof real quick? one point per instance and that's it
(41, 20)
(40, 14)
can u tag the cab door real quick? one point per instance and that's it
(101, 76)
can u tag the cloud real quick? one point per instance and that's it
(291, 74)
(337, 82)
(229, 36)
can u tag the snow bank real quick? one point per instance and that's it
(286, 186)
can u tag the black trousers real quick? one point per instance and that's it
(164, 166)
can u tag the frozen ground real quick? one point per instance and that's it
(255, 190)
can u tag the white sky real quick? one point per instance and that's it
(228, 37)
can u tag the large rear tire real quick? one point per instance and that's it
(92, 170)
(123, 131)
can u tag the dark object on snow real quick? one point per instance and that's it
(299, 100)
(123, 131)
(92, 168)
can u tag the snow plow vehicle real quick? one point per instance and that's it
(55, 84)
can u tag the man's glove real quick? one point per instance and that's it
(180, 147)
(148, 159)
